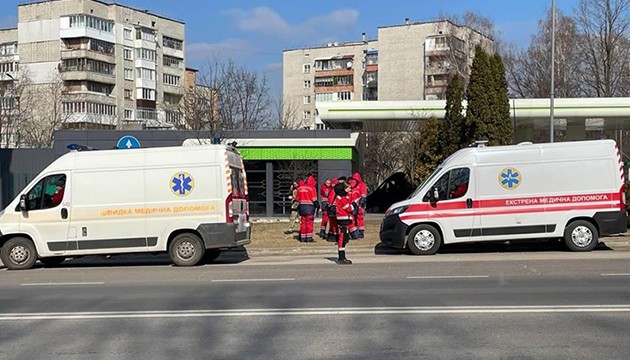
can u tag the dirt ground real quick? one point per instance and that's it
(270, 233)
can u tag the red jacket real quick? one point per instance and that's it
(361, 185)
(324, 191)
(344, 207)
(306, 193)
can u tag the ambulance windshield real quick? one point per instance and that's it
(425, 182)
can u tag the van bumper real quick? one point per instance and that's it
(611, 222)
(393, 232)
(223, 235)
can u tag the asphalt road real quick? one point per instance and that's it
(532, 305)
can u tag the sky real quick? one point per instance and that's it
(254, 33)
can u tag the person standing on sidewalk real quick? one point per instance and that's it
(324, 191)
(361, 190)
(342, 207)
(294, 217)
(307, 198)
(333, 233)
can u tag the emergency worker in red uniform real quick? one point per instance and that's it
(307, 207)
(343, 209)
(324, 191)
(333, 233)
(361, 188)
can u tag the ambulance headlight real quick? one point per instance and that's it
(398, 210)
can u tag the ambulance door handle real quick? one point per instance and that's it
(469, 203)
(64, 213)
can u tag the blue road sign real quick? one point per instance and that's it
(128, 142)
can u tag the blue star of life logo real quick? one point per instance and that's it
(510, 178)
(182, 184)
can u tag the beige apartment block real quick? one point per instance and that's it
(412, 61)
(119, 67)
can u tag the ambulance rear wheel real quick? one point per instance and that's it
(18, 254)
(186, 250)
(424, 240)
(581, 235)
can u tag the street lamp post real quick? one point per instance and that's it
(553, 63)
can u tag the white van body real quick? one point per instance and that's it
(132, 201)
(570, 190)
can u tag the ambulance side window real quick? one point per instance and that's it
(47, 193)
(452, 185)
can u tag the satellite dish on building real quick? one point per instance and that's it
(349, 65)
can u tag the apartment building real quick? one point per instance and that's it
(412, 61)
(118, 67)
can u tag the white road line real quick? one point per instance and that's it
(450, 277)
(250, 280)
(319, 312)
(620, 274)
(63, 284)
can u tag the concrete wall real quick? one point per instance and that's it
(18, 167)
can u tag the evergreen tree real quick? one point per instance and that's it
(453, 129)
(479, 96)
(501, 102)
(429, 156)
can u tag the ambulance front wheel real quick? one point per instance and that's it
(424, 240)
(19, 254)
(186, 250)
(581, 235)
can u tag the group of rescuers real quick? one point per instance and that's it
(342, 202)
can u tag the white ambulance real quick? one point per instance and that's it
(188, 201)
(570, 190)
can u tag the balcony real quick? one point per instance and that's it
(172, 89)
(335, 72)
(88, 54)
(172, 52)
(145, 44)
(76, 75)
(84, 95)
(147, 64)
(84, 118)
(437, 69)
(77, 32)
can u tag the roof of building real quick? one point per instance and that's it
(333, 45)
(433, 22)
(108, 3)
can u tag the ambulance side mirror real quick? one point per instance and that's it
(435, 195)
(23, 206)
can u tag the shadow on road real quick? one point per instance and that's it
(491, 247)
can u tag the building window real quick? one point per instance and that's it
(344, 95)
(128, 114)
(171, 79)
(146, 74)
(128, 94)
(146, 114)
(78, 21)
(306, 114)
(146, 94)
(83, 107)
(128, 53)
(172, 43)
(6, 67)
(146, 54)
(172, 61)
(306, 68)
(307, 99)
(128, 74)
(145, 34)
(101, 46)
(99, 88)
(128, 34)
(8, 49)
(323, 97)
(307, 84)
(88, 65)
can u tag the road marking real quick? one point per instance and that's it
(450, 277)
(63, 284)
(250, 280)
(620, 274)
(425, 310)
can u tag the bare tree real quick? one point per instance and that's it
(528, 70)
(243, 101)
(46, 112)
(12, 115)
(285, 114)
(604, 26)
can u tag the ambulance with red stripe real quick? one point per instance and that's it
(568, 190)
(188, 201)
